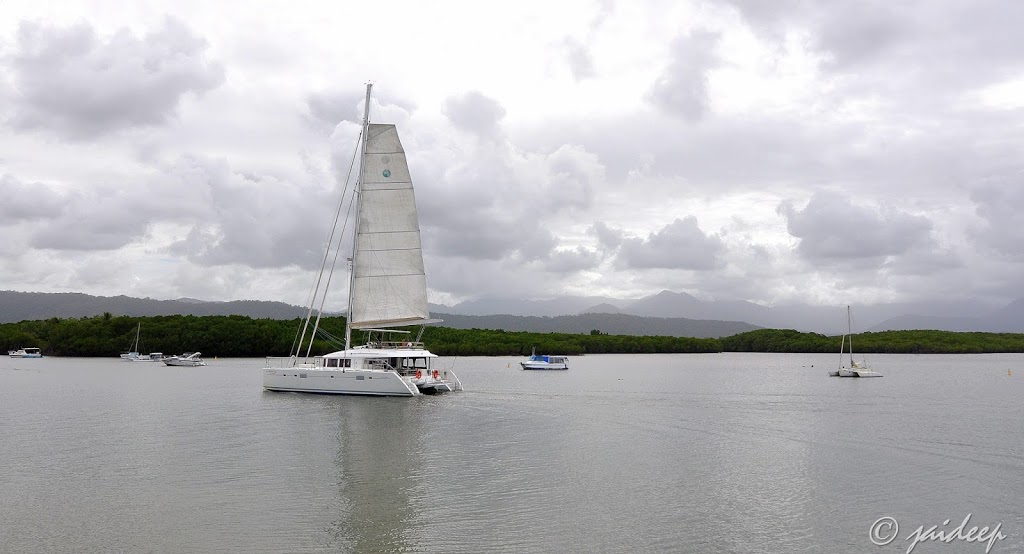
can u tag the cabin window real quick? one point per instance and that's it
(414, 363)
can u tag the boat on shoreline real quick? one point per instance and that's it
(25, 353)
(188, 359)
(387, 288)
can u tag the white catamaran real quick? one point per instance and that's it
(387, 288)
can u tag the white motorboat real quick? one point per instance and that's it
(387, 288)
(187, 359)
(855, 369)
(25, 353)
(540, 361)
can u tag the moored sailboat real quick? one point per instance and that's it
(387, 288)
(855, 369)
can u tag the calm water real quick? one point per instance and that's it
(681, 453)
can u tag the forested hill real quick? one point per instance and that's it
(240, 336)
(884, 342)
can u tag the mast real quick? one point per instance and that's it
(355, 230)
(849, 330)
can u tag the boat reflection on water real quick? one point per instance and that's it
(379, 445)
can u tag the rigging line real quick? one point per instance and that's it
(337, 250)
(327, 252)
(296, 345)
(330, 275)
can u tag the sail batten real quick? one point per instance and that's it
(389, 285)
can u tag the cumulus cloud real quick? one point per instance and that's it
(832, 227)
(678, 245)
(581, 63)
(475, 113)
(73, 83)
(682, 88)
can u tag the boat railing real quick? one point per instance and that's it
(395, 345)
(285, 362)
(446, 374)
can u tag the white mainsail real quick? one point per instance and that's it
(389, 286)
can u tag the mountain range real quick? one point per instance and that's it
(665, 313)
(952, 315)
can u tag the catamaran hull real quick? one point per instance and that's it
(334, 381)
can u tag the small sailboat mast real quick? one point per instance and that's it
(849, 331)
(138, 330)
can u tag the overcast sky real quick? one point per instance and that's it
(841, 152)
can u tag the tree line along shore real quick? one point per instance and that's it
(245, 337)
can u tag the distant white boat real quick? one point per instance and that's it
(855, 369)
(25, 353)
(151, 357)
(539, 361)
(387, 288)
(187, 359)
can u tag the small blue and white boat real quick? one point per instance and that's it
(539, 361)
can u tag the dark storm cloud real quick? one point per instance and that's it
(682, 88)
(678, 245)
(253, 217)
(87, 227)
(332, 108)
(571, 261)
(97, 217)
(1000, 205)
(944, 43)
(27, 201)
(89, 218)
(73, 83)
(328, 108)
(496, 202)
(475, 113)
(608, 238)
(831, 227)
